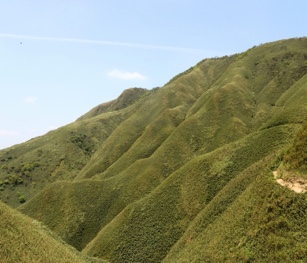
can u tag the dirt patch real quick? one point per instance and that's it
(296, 185)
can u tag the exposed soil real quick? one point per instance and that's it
(296, 185)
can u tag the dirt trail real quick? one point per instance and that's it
(296, 185)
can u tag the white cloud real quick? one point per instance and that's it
(126, 75)
(30, 99)
(8, 133)
(101, 42)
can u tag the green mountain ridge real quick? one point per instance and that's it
(181, 173)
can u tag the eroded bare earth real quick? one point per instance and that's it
(296, 185)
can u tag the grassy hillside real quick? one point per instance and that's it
(127, 98)
(58, 155)
(75, 210)
(266, 223)
(181, 173)
(23, 239)
(147, 229)
(295, 159)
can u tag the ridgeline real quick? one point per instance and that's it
(181, 173)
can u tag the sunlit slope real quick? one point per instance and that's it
(266, 223)
(291, 164)
(178, 159)
(23, 239)
(58, 155)
(238, 99)
(147, 229)
(295, 159)
(126, 99)
(76, 210)
(140, 135)
(117, 191)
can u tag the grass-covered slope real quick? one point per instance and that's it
(127, 98)
(76, 210)
(23, 239)
(147, 229)
(162, 174)
(266, 223)
(146, 130)
(58, 155)
(295, 159)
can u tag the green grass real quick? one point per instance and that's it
(57, 155)
(126, 99)
(147, 229)
(181, 173)
(76, 211)
(295, 158)
(26, 240)
(265, 223)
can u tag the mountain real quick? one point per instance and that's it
(26, 240)
(180, 173)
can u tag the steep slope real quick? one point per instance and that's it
(147, 229)
(23, 239)
(291, 165)
(155, 172)
(79, 209)
(58, 155)
(126, 99)
(123, 190)
(166, 106)
(295, 158)
(266, 223)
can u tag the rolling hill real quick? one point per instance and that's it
(26, 240)
(180, 173)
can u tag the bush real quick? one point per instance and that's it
(21, 199)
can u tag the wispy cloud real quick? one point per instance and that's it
(126, 75)
(8, 133)
(100, 42)
(31, 99)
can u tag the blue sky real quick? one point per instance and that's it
(60, 58)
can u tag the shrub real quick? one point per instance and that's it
(21, 199)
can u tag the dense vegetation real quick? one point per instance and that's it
(23, 239)
(181, 173)
(296, 157)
